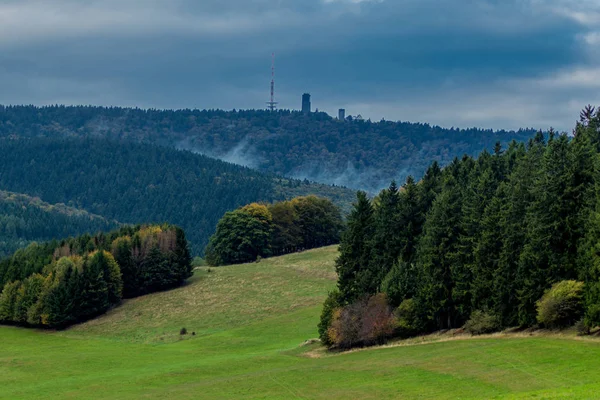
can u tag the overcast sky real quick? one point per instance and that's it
(485, 63)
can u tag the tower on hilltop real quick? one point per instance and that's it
(272, 105)
(306, 103)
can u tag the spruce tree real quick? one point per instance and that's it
(355, 279)
(412, 217)
(387, 238)
(437, 247)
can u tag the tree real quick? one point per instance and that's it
(240, 237)
(355, 279)
(412, 216)
(319, 221)
(387, 237)
(287, 233)
(94, 288)
(400, 283)
(441, 234)
(122, 252)
(8, 301)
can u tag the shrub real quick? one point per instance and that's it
(346, 326)
(399, 283)
(408, 320)
(329, 306)
(581, 328)
(377, 320)
(365, 322)
(562, 305)
(482, 322)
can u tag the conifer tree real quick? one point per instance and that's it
(412, 217)
(387, 237)
(122, 252)
(441, 234)
(355, 279)
(94, 289)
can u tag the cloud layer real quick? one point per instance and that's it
(487, 63)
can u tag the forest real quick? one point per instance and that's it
(256, 231)
(24, 219)
(508, 239)
(354, 153)
(57, 284)
(138, 183)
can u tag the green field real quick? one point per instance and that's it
(251, 322)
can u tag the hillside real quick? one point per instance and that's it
(25, 219)
(357, 154)
(250, 322)
(141, 183)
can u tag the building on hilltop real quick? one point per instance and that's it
(306, 103)
(342, 114)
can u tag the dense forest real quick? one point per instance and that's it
(56, 284)
(261, 230)
(25, 219)
(353, 153)
(133, 183)
(511, 238)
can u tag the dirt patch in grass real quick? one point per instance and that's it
(459, 334)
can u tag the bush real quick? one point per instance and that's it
(482, 322)
(365, 322)
(408, 320)
(377, 321)
(581, 328)
(329, 306)
(562, 305)
(399, 283)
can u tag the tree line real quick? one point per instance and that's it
(481, 241)
(140, 183)
(285, 142)
(57, 284)
(24, 219)
(263, 230)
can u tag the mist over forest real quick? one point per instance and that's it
(357, 154)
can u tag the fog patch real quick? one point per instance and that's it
(244, 153)
(368, 179)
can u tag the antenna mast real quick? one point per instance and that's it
(272, 105)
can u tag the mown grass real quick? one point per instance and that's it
(250, 321)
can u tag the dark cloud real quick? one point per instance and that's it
(500, 64)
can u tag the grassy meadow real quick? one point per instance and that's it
(251, 323)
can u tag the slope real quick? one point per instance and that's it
(250, 321)
(25, 219)
(352, 153)
(141, 183)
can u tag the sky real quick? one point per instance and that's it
(501, 64)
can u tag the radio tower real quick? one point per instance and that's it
(272, 105)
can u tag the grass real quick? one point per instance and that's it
(250, 323)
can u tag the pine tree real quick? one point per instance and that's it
(513, 227)
(122, 252)
(94, 289)
(355, 279)
(438, 244)
(182, 257)
(387, 237)
(412, 217)
(59, 303)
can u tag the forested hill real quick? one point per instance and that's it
(25, 219)
(140, 183)
(359, 154)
